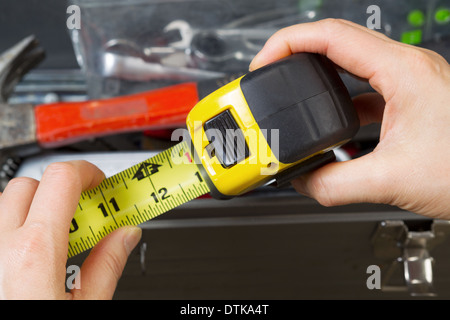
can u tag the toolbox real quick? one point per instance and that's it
(270, 243)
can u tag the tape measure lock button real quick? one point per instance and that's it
(227, 141)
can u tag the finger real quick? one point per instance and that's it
(365, 29)
(15, 202)
(57, 196)
(103, 267)
(370, 107)
(382, 36)
(355, 181)
(353, 48)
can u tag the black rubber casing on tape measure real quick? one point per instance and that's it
(303, 97)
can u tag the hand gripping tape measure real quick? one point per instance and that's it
(268, 126)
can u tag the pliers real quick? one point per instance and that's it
(16, 62)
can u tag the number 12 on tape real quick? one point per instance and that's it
(136, 195)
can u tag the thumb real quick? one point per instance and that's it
(339, 183)
(103, 267)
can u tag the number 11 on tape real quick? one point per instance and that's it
(136, 195)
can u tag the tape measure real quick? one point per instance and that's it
(269, 126)
(136, 195)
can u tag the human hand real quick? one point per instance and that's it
(410, 167)
(35, 219)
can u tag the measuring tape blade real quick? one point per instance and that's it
(136, 195)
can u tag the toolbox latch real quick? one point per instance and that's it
(408, 251)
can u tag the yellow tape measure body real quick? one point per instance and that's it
(136, 195)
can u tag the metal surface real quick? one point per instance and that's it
(37, 85)
(8, 167)
(17, 123)
(137, 69)
(276, 245)
(195, 54)
(17, 130)
(16, 62)
(17, 126)
(418, 271)
(393, 241)
(210, 49)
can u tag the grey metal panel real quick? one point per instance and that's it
(286, 261)
(285, 247)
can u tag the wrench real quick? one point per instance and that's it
(215, 48)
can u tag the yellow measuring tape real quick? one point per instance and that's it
(136, 195)
(299, 99)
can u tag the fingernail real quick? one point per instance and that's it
(132, 238)
(252, 65)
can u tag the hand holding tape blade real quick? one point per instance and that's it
(300, 100)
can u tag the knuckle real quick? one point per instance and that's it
(60, 168)
(434, 55)
(21, 182)
(333, 28)
(113, 265)
(34, 244)
(64, 171)
(332, 21)
(425, 61)
(333, 24)
(37, 233)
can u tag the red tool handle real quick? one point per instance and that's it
(62, 123)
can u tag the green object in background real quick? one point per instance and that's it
(307, 5)
(416, 18)
(442, 16)
(412, 37)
